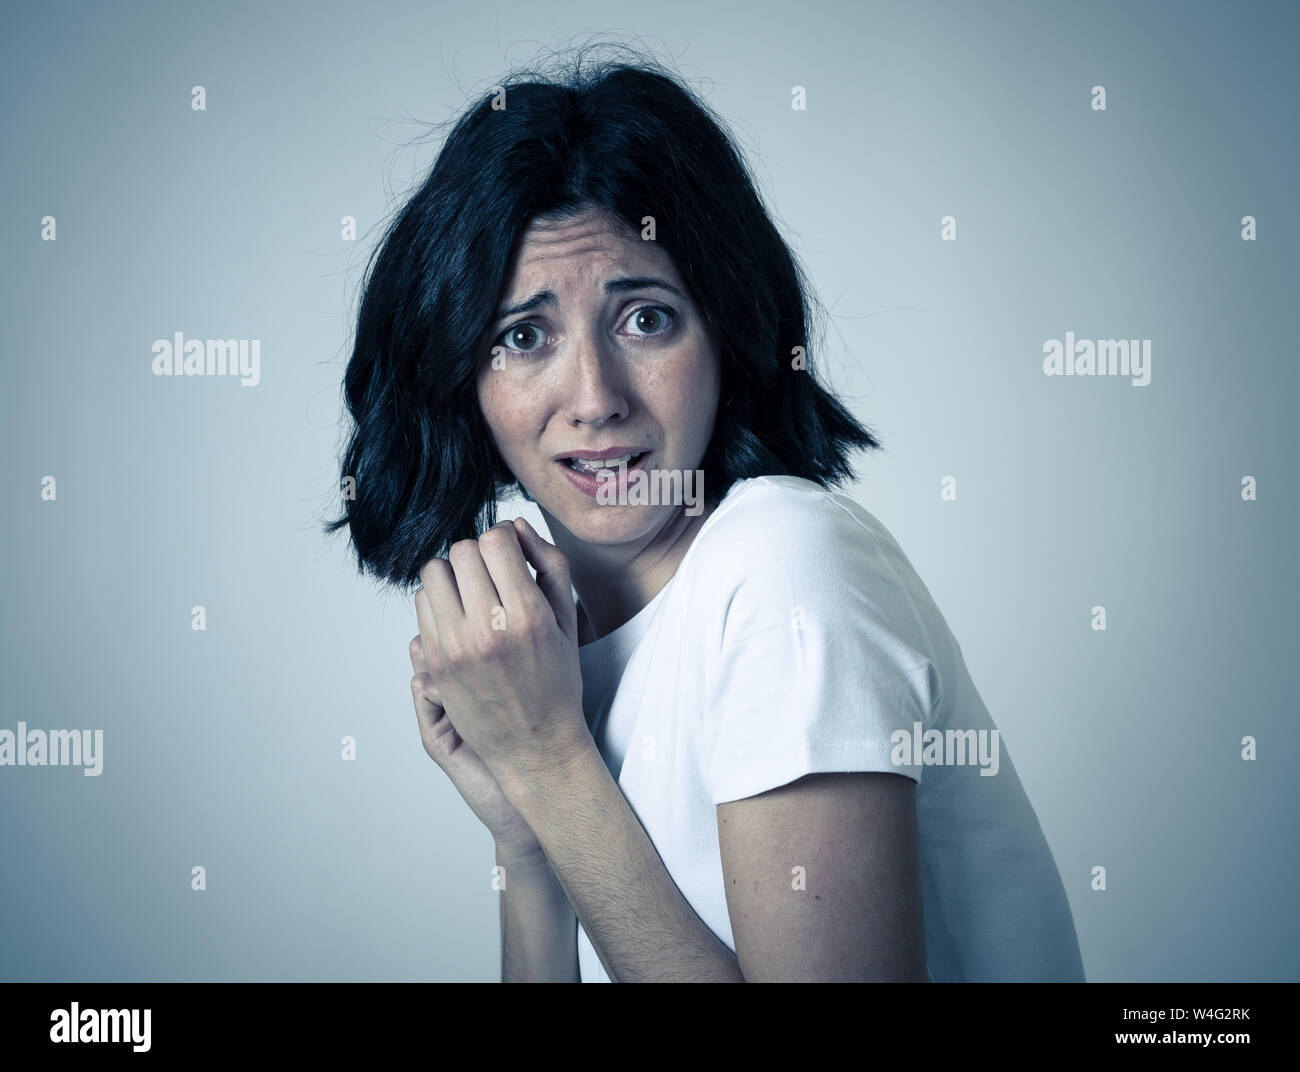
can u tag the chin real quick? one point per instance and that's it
(613, 525)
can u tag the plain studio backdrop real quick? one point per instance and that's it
(223, 746)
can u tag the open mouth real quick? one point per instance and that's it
(592, 467)
(597, 477)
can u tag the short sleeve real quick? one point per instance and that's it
(822, 661)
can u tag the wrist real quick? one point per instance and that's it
(533, 872)
(565, 758)
(515, 858)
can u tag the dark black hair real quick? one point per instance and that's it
(625, 136)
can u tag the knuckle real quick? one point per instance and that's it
(453, 654)
(488, 642)
(528, 620)
(427, 571)
(430, 747)
(496, 536)
(434, 662)
(416, 648)
(461, 548)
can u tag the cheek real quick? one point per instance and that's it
(505, 411)
(695, 390)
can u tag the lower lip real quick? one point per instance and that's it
(588, 484)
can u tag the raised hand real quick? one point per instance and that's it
(471, 778)
(502, 651)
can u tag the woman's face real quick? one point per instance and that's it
(610, 354)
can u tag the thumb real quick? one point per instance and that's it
(552, 566)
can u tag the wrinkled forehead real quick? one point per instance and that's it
(592, 244)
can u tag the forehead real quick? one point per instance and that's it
(592, 244)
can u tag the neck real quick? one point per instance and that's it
(616, 581)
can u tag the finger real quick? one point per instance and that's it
(478, 595)
(444, 604)
(430, 641)
(552, 566)
(439, 583)
(428, 701)
(421, 667)
(504, 558)
(436, 731)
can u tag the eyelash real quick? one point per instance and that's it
(666, 310)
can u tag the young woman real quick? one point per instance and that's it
(750, 750)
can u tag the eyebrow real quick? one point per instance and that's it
(612, 286)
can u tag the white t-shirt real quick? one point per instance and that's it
(795, 638)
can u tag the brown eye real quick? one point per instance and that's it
(651, 320)
(523, 337)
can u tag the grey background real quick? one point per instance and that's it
(222, 748)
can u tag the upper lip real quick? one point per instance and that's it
(601, 455)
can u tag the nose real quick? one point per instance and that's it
(596, 385)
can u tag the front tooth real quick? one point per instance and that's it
(607, 463)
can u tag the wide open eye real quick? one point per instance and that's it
(651, 320)
(523, 338)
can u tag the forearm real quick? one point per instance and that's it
(539, 942)
(641, 926)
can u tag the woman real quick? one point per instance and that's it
(735, 758)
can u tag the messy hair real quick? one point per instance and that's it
(626, 137)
